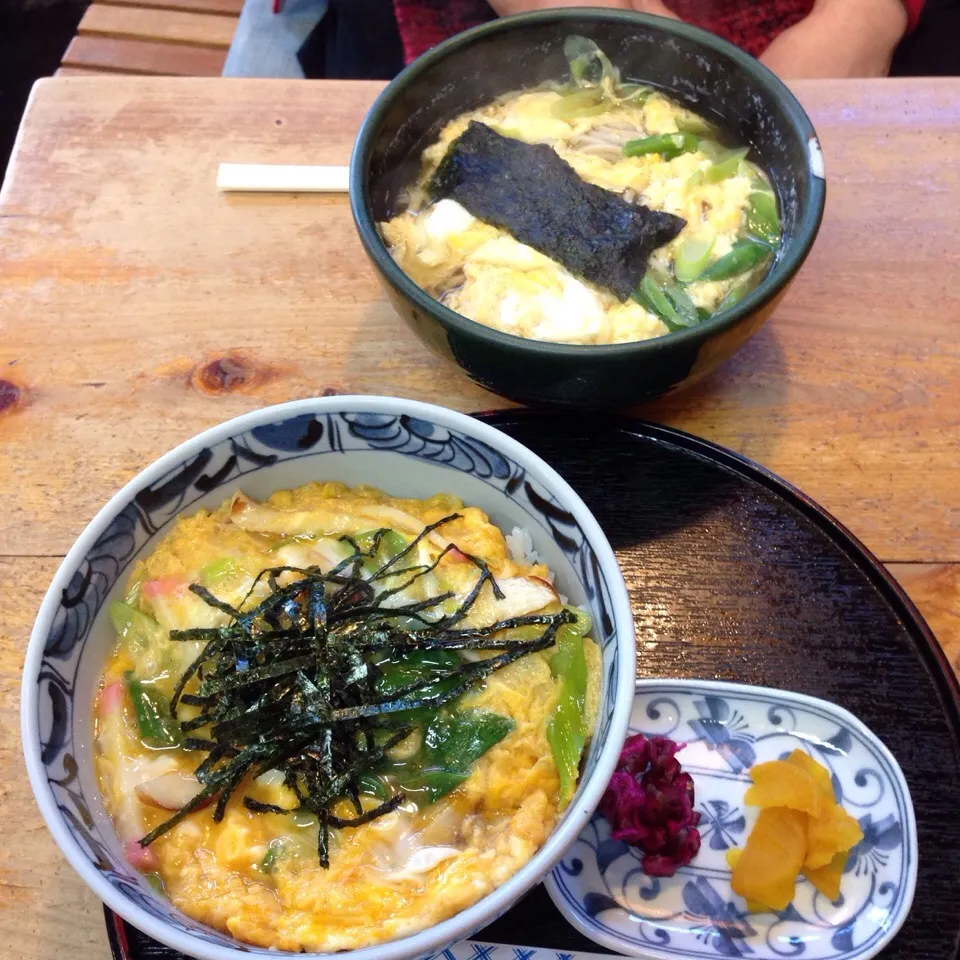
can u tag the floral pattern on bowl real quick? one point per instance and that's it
(601, 889)
(402, 445)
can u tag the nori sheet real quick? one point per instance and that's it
(530, 191)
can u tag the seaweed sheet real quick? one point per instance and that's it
(530, 191)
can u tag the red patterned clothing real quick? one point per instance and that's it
(750, 24)
(424, 23)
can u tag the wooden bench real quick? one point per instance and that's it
(187, 38)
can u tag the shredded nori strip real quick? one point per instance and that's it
(292, 683)
(386, 807)
(530, 191)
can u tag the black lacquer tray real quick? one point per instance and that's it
(734, 575)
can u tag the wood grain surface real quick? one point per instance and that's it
(138, 307)
(148, 23)
(124, 55)
(935, 589)
(227, 8)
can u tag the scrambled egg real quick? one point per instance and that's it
(483, 273)
(391, 877)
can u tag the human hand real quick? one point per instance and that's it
(840, 38)
(506, 7)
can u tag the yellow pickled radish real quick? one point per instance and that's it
(827, 879)
(820, 773)
(753, 906)
(794, 792)
(832, 833)
(767, 869)
(779, 783)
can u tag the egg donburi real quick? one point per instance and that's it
(594, 211)
(334, 718)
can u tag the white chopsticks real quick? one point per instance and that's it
(281, 178)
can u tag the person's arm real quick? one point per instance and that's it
(840, 38)
(506, 7)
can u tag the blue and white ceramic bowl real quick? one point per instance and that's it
(728, 727)
(409, 449)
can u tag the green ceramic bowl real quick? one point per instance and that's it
(700, 70)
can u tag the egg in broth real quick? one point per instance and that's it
(333, 718)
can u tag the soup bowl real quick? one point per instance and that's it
(701, 71)
(408, 449)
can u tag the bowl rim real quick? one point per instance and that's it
(471, 918)
(779, 277)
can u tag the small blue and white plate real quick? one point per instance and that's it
(600, 888)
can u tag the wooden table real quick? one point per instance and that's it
(188, 38)
(138, 307)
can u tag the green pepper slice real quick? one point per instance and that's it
(154, 723)
(697, 125)
(451, 744)
(725, 167)
(567, 727)
(693, 256)
(762, 218)
(136, 629)
(745, 255)
(668, 145)
(652, 297)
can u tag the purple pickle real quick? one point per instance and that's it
(649, 804)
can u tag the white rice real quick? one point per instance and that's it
(520, 546)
